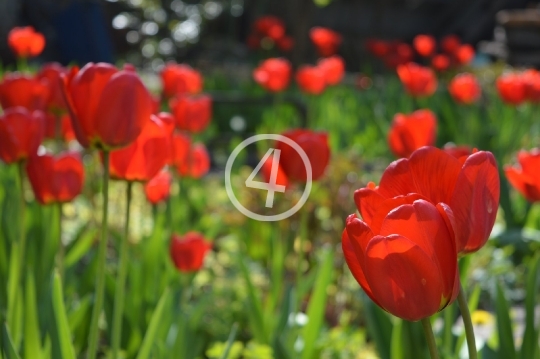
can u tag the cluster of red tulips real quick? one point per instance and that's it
(267, 31)
(516, 88)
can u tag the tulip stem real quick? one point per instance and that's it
(469, 331)
(121, 280)
(426, 324)
(300, 258)
(100, 275)
(61, 249)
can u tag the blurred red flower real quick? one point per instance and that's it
(273, 74)
(378, 48)
(311, 79)
(465, 88)
(526, 177)
(25, 41)
(21, 133)
(146, 156)
(314, 144)
(440, 62)
(410, 132)
(511, 88)
(531, 78)
(56, 179)
(108, 107)
(190, 160)
(270, 26)
(158, 188)
(285, 44)
(52, 74)
(180, 79)
(471, 188)
(188, 251)
(266, 172)
(325, 40)
(333, 68)
(464, 54)
(417, 80)
(60, 124)
(450, 44)
(22, 90)
(403, 245)
(424, 45)
(192, 113)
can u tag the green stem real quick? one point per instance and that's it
(426, 324)
(121, 281)
(469, 331)
(300, 259)
(22, 233)
(100, 276)
(61, 249)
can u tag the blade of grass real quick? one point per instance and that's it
(256, 313)
(150, 335)
(529, 347)
(32, 341)
(62, 326)
(7, 344)
(230, 341)
(504, 326)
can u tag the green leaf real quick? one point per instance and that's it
(150, 335)
(13, 286)
(529, 347)
(230, 341)
(32, 342)
(7, 344)
(504, 326)
(317, 305)
(256, 313)
(61, 322)
(80, 248)
(379, 327)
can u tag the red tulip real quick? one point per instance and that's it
(270, 26)
(410, 132)
(450, 44)
(424, 45)
(465, 88)
(266, 171)
(192, 113)
(21, 133)
(21, 90)
(190, 160)
(54, 123)
(180, 80)
(378, 48)
(285, 44)
(108, 107)
(526, 178)
(52, 73)
(25, 41)
(471, 189)
(440, 62)
(311, 79)
(144, 158)
(273, 74)
(400, 54)
(333, 68)
(464, 54)
(325, 40)
(531, 78)
(403, 255)
(188, 251)
(417, 80)
(55, 179)
(158, 188)
(314, 144)
(511, 88)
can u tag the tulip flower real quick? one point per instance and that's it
(471, 189)
(21, 133)
(525, 177)
(273, 74)
(266, 172)
(108, 107)
(270, 26)
(192, 113)
(403, 255)
(285, 44)
(464, 54)
(190, 160)
(53, 124)
(314, 144)
(26, 42)
(417, 80)
(465, 88)
(440, 62)
(52, 74)
(450, 44)
(25, 91)
(188, 251)
(158, 189)
(424, 44)
(55, 179)
(401, 53)
(531, 78)
(511, 88)
(325, 40)
(333, 68)
(411, 132)
(180, 80)
(311, 79)
(145, 157)
(378, 48)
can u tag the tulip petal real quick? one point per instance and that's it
(403, 277)
(385, 207)
(475, 201)
(367, 201)
(523, 183)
